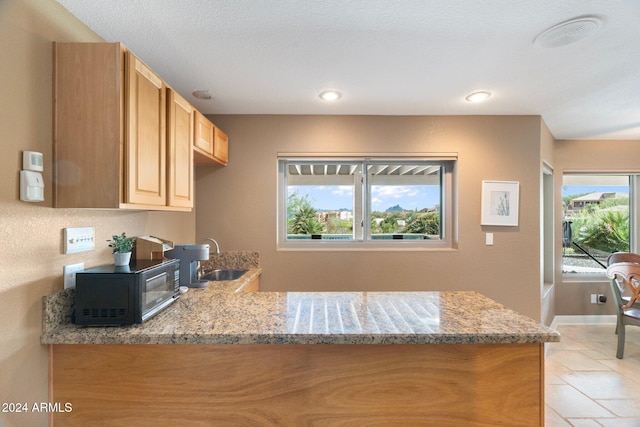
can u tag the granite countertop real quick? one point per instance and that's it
(223, 313)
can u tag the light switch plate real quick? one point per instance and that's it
(79, 239)
(489, 238)
(70, 274)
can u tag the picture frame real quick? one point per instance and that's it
(500, 201)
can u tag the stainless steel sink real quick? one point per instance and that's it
(218, 275)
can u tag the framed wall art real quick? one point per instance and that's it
(500, 201)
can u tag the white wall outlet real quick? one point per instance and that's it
(70, 274)
(79, 239)
(489, 239)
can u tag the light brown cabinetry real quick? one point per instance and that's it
(88, 139)
(473, 385)
(110, 132)
(211, 145)
(203, 143)
(221, 146)
(180, 116)
(146, 154)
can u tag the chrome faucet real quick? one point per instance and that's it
(214, 242)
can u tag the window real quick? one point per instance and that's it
(365, 203)
(597, 221)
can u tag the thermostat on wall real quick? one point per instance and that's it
(32, 161)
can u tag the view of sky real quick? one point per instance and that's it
(409, 197)
(334, 197)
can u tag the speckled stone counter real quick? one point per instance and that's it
(222, 314)
(481, 364)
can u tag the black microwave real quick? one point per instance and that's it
(124, 295)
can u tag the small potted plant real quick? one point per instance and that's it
(122, 246)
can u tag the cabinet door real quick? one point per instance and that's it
(221, 147)
(211, 145)
(145, 147)
(180, 146)
(204, 135)
(88, 93)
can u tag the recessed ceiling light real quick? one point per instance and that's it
(568, 32)
(478, 96)
(202, 94)
(330, 95)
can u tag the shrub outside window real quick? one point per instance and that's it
(365, 203)
(597, 221)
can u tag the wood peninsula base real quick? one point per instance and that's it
(298, 384)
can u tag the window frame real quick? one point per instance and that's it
(634, 221)
(448, 215)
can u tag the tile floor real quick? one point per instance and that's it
(586, 386)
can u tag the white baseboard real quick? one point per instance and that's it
(584, 320)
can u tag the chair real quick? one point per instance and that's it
(624, 257)
(625, 275)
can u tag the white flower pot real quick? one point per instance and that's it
(121, 258)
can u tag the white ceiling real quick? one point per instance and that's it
(402, 57)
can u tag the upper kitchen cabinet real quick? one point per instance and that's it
(146, 148)
(180, 116)
(221, 146)
(211, 144)
(203, 144)
(110, 132)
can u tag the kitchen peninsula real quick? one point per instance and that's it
(224, 356)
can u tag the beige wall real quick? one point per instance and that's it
(237, 204)
(572, 297)
(31, 258)
(547, 225)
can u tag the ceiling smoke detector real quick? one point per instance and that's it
(202, 94)
(569, 32)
